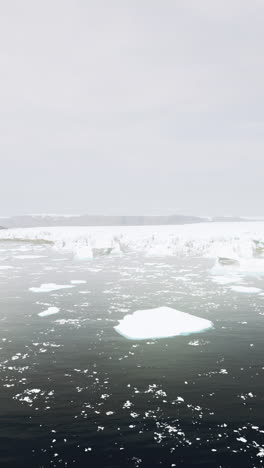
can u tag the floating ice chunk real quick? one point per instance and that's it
(219, 279)
(48, 287)
(228, 261)
(261, 452)
(78, 281)
(180, 398)
(25, 257)
(160, 323)
(198, 343)
(49, 311)
(245, 289)
(83, 253)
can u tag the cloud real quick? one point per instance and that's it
(131, 97)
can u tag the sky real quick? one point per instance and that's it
(132, 107)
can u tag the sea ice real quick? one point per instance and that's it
(160, 323)
(49, 311)
(48, 287)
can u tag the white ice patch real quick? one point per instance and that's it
(245, 289)
(48, 287)
(161, 322)
(78, 281)
(6, 267)
(219, 279)
(49, 311)
(29, 257)
(83, 253)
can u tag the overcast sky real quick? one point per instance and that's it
(124, 107)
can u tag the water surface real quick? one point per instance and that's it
(75, 393)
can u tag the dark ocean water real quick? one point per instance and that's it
(75, 393)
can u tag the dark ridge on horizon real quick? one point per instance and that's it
(101, 220)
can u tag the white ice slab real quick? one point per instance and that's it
(160, 323)
(245, 289)
(48, 287)
(78, 281)
(29, 257)
(49, 311)
(219, 279)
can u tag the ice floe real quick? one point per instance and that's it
(160, 323)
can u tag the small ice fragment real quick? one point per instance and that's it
(48, 287)
(127, 404)
(78, 281)
(245, 289)
(242, 439)
(49, 311)
(223, 280)
(180, 398)
(25, 257)
(261, 452)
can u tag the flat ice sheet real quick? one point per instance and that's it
(48, 287)
(161, 322)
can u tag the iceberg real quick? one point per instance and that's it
(161, 322)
